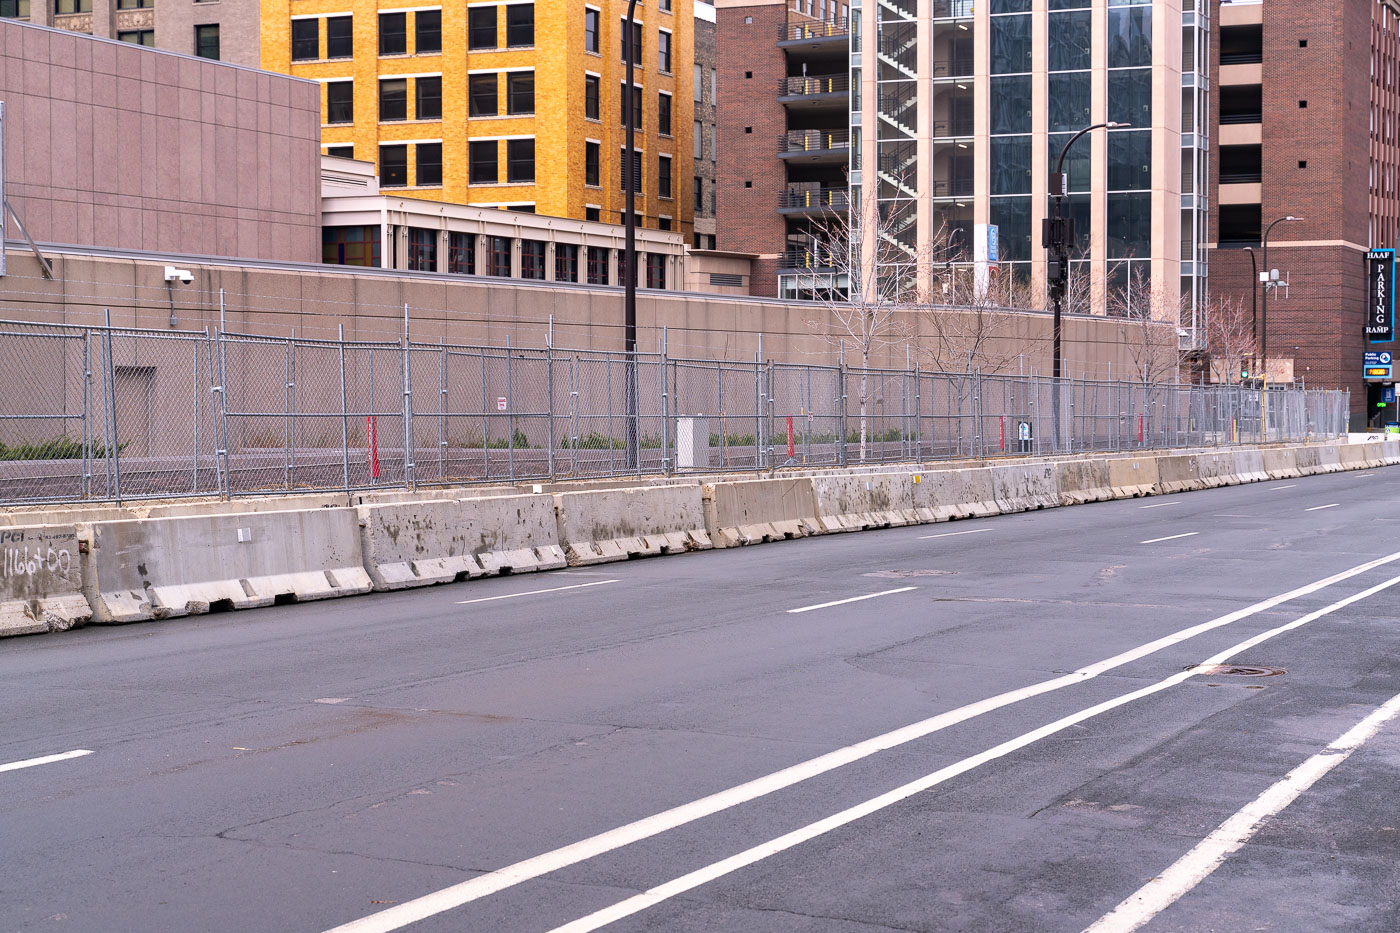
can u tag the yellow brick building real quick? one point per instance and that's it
(434, 93)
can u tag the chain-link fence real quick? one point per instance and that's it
(104, 413)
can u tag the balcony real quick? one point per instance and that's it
(815, 35)
(815, 146)
(792, 260)
(814, 201)
(813, 92)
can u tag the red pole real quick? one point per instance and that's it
(1002, 426)
(792, 447)
(1139, 429)
(373, 448)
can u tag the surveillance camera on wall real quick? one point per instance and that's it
(173, 274)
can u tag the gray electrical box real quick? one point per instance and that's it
(692, 442)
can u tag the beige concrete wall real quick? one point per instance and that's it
(112, 144)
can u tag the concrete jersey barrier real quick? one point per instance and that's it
(864, 500)
(943, 495)
(1025, 488)
(615, 524)
(165, 567)
(438, 541)
(41, 587)
(1178, 474)
(756, 511)
(1281, 462)
(1131, 478)
(1081, 481)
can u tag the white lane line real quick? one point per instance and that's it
(1159, 505)
(1289, 486)
(555, 589)
(1363, 474)
(1210, 853)
(953, 534)
(1320, 507)
(46, 760)
(853, 599)
(1169, 537)
(464, 892)
(653, 896)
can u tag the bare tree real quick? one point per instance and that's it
(1150, 334)
(1230, 339)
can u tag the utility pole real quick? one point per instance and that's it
(1266, 277)
(629, 288)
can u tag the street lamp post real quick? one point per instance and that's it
(1055, 237)
(1253, 294)
(629, 287)
(1264, 330)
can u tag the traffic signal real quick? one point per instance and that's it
(1244, 373)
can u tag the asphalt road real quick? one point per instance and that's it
(1010, 733)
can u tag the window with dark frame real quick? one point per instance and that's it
(699, 193)
(306, 39)
(393, 166)
(636, 106)
(663, 176)
(532, 259)
(429, 156)
(340, 101)
(636, 170)
(340, 36)
(135, 4)
(592, 213)
(14, 9)
(520, 93)
(422, 250)
(72, 6)
(427, 32)
(636, 41)
(498, 256)
(663, 114)
(590, 30)
(592, 170)
(663, 223)
(481, 28)
(520, 161)
(206, 41)
(656, 270)
(350, 246)
(146, 37)
(342, 152)
(482, 95)
(427, 103)
(393, 99)
(566, 262)
(461, 253)
(590, 97)
(483, 162)
(520, 25)
(663, 51)
(597, 265)
(393, 33)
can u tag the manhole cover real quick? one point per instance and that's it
(901, 574)
(1241, 670)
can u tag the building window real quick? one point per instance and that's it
(664, 5)
(520, 161)
(350, 246)
(72, 6)
(427, 98)
(429, 164)
(521, 208)
(656, 270)
(482, 162)
(393, 166)
(341, 152)
(138, 36)
(14, 9)
(340, 36)
(565, 262)
(461, 253)
(520, 92)
(592, 213)
(663, 176)
(206, 41)
(597, 265)
(532, 259)
(663, 223)
(636, 106)
(663, 114)
(422, 250)
(481, 27)
(663, 51)
(393, 33)
(427, 32)
(636, 169)
(590, 31)
(393, 99)
(714, 85)
(699, 193)
(699, 83)
(590, 97)
(135, 4)
(591, 161)
(636, 41)
(698, 140)
(498, 256)
(481, 90)
(520, 25)
(340, 101)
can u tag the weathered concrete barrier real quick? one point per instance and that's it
(1081, 481)
(164, 567)
(755, 511)
(1281, 462)
(1131, 478)
(943, 495)
(1216, 469)
(1390, 452)
(438, 541)
(615, 524)
(1308, 461)
(1329, 459)
(41, 587)
(1249, 466)
(1025, 488)
(1354, 457)
(864, 500)
(1178, 473)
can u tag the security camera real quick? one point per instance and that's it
(173, 274)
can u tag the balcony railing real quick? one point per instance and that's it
(952, 188)
(813, 141)
(813, 85)
(952, 9)
(1231, 119)
(830, 29)
(1250, 57)
(952, 127)
(960, 67)
(1246, 177)
(808, 258)
(816, 199)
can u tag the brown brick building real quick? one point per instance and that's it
(1306, 126)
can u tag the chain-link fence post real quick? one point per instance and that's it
(549, 406)
(409, 468)
(109, 378)
(344, 414)
(666, 464)
(87, 411)
(842, 456)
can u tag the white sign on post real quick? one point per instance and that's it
(500, 404)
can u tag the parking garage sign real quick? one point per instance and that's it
(1380, 295)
